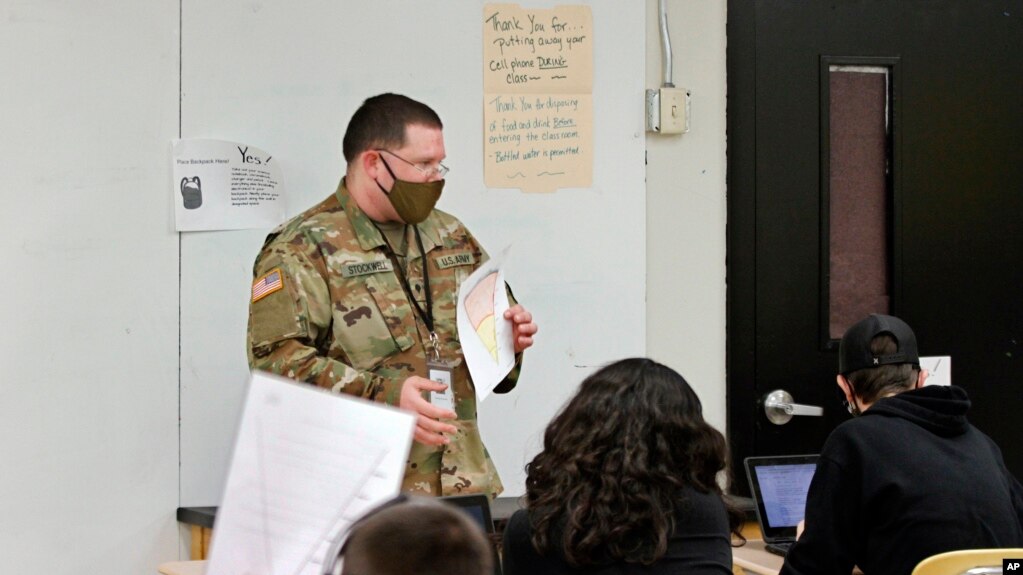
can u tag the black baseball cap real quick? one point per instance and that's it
(854, 351)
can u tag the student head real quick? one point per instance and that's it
(614, 461)
(417, 535)
(878, 358)
(381, 122)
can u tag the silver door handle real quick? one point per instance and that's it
(779, 408)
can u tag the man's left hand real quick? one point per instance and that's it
(523, 328)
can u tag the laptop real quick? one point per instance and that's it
(477, 506)
(779, 485)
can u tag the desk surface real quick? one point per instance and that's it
(500, 509)
(753, 557)
(183, 568)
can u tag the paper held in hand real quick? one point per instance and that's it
(485, 335)
(306, 464)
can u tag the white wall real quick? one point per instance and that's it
(89, 416)
(89, 392)
(286, 78)
(686, 205)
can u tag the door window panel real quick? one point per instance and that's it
(858, 194)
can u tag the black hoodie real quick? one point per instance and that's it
(908, 479)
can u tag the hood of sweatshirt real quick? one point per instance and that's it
(939, 409)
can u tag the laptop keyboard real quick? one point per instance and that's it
(779, 548)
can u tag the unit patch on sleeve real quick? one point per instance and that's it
(268, 284)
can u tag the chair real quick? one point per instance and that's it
(967, 561)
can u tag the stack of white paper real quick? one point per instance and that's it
(306, 464)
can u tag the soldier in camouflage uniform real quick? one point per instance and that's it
(357, 293)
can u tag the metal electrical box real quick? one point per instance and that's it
(668, 110)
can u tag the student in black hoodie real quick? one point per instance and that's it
(907, 479)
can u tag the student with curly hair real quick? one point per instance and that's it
(626, 483)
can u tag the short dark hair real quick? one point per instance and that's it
(615, 460)
(873, 383)
(419, 535)
(381, 121)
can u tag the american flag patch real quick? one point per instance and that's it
(267, 285)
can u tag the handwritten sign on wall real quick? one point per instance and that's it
(538, 97)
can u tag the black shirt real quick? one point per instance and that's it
(700, 545)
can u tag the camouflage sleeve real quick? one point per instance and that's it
(289, 312)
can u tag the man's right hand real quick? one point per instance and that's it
(428, 429)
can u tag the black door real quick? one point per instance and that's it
(942, 208)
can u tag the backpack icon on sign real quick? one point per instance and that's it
(191, 192)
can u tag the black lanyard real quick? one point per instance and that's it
(427, 314)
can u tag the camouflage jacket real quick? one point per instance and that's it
(329, 309)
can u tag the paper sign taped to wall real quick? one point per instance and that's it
(538, 97)
(220, 185)
(939, 369)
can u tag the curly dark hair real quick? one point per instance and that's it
(608, 483)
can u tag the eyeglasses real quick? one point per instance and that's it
(428, 170)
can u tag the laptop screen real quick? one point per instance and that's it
(476, 506)
(779, 485)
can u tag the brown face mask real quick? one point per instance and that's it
(413, 201)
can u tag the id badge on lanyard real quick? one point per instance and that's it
(442, 372)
